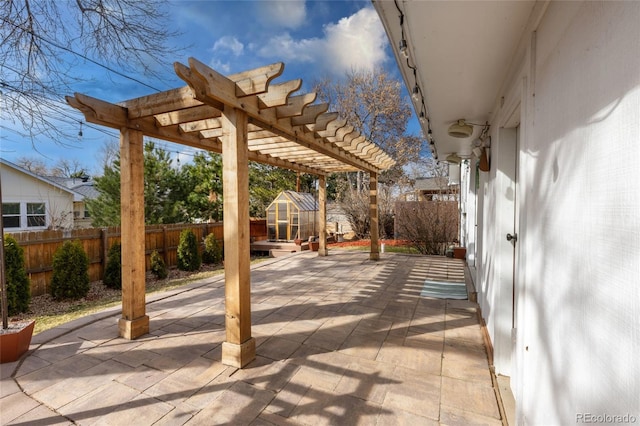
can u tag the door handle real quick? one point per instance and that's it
(513, 237)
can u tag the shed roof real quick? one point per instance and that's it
(303, 200)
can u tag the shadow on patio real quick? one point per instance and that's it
(340, 340)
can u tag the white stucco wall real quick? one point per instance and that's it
(20, 187)
(578, 259)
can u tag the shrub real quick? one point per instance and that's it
(70, 272)
(212, 250)
(188, 256)
(113, 270)
(18, 285)
(158, 267)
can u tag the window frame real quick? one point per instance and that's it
(24, 217)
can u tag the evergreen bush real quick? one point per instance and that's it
(70, 272)
(212, 250)
(113, 270)
(158, 267)
(18, 285)
(188, 256)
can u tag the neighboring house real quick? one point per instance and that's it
(31, 202)
(337, 221)
(541, 100)
(84, 190)
(433, 189)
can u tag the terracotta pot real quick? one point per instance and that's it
(15, 341)
(459, 252)
(314, 245)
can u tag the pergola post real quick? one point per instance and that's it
(373, 215)
(322, 225)
(134, 322)
(239, 349)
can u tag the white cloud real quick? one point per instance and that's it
(356, 42)
(229, 43)
(284, 14)
(285, 48)
(218, 65)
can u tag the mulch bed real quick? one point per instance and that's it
(44, 305)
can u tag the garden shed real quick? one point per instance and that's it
(292, 215)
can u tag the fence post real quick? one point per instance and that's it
(104, 236)
(165, 246)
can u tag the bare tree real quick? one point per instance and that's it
(43, 42)
(372, 102)
(70, 168)
(63, 167)
(34, 165)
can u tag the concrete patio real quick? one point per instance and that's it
(340, 340)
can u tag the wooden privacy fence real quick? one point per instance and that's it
(39, 247)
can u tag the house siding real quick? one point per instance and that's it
(576, 98)
(18, 187)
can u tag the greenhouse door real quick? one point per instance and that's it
(282, 219)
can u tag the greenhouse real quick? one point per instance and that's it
(292, 215)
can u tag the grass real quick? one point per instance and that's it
(48, 321)
(401, 249)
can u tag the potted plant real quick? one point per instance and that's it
(314, 243)
(15, 337)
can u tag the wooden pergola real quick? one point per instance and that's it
(245, 118)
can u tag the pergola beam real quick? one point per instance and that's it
(213, 88)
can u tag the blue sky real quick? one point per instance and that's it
(314, 39)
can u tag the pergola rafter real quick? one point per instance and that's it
(245, 117)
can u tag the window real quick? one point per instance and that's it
(24, 215)
(36, 215)
(11, 215)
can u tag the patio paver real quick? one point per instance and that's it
(340, 340)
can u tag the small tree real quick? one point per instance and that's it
(188, 256)
(18, 285)
(70, 272)
(158, 267)
(113, 270)
(212, 250)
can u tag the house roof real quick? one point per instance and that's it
(43, 179)
(432, 184)
(82, 187)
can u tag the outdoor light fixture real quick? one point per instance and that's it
(460, 129)
(415, 94)
(453, 158)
